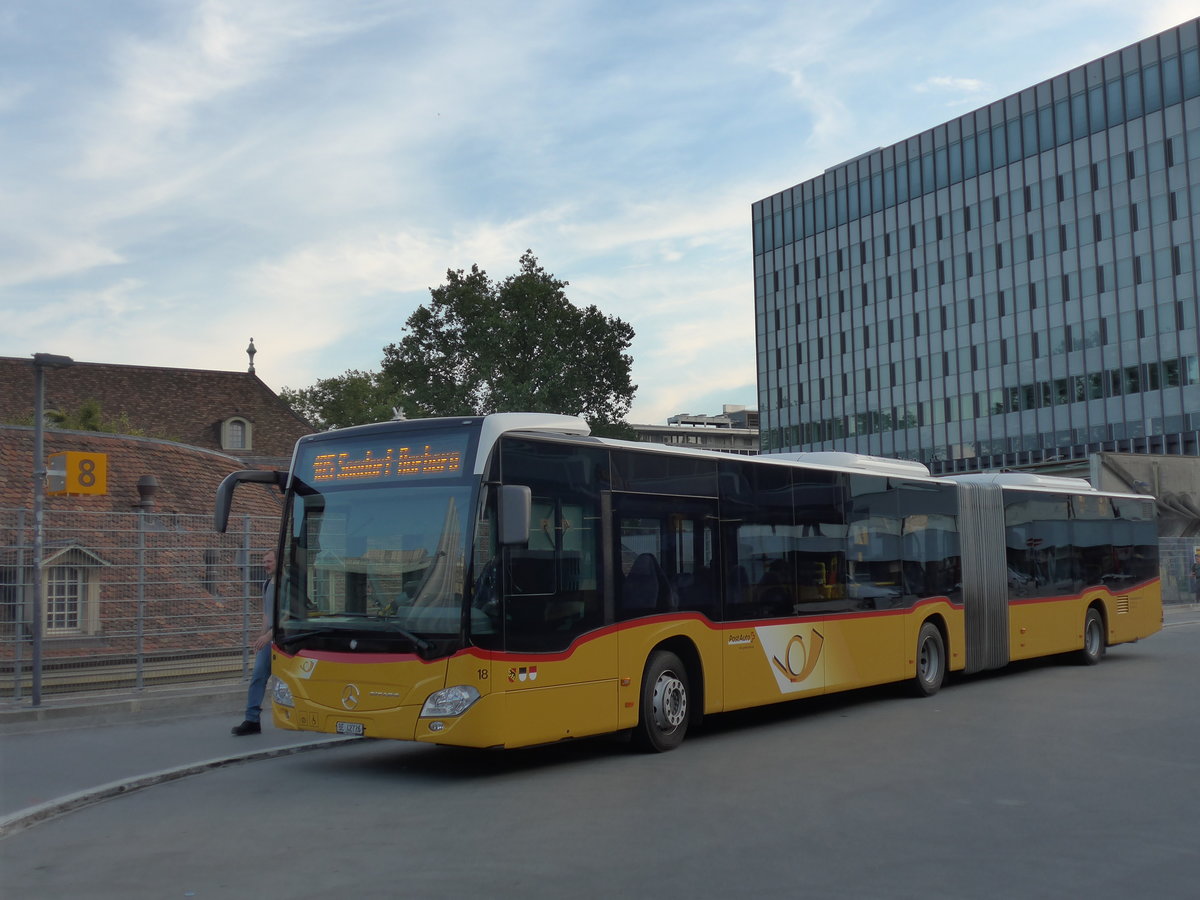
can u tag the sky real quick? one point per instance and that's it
(180, 176)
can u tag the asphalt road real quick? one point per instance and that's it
(1046, 780)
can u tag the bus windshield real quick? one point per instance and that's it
(373, 546)
(374, 569)
(374, 552)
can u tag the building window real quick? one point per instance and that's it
(65, 598)
(71, 593)
(236, 434)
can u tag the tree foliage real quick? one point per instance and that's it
(481, 346)
(354, 398)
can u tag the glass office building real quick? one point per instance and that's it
(1014, 286)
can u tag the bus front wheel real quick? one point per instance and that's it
(931, 661)
(1093, 638)
(664, 706)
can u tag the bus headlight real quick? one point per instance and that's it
(451, 701)
(282, 694)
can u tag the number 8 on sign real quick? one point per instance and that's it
(71, 472)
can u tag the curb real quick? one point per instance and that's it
(43, 812)
(78, 710)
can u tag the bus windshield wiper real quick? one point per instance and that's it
(293, 638)
(419, 642)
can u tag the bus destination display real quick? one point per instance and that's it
(411, 459)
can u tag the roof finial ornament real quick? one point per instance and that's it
(250, 351)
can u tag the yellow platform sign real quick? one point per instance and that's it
(71, 473)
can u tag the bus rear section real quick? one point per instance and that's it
(1052, 566)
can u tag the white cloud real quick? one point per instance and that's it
(163, 83)
(1163, 14)
(666, 224)
(710, 344)
(949, 83)
(820, 53)
(34, 259)
(117, 299)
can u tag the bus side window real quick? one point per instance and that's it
(691, 559)
(531, 569)
(553, 591)
(758, 532)
(531, 572)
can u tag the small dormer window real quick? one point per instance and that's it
(236, 434)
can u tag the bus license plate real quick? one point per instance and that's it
(354, 728)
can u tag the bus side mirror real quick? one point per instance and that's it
(229, 484)
(514, 505)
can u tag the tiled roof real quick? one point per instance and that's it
(187, 476)
(183, 405)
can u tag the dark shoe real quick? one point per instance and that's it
(247, 727)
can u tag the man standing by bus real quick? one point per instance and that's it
(262, 654)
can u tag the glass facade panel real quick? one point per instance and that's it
(1047, 271)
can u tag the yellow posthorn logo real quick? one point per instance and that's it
(796, 670)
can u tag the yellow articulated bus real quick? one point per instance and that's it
(509, 580)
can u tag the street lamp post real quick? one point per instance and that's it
(41, 362)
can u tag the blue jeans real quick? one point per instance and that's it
(258, 684)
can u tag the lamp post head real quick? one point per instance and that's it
(52, 361)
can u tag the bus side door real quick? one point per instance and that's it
(559, 668)
(666, 585)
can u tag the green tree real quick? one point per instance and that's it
(90, 417)
(355, 398)
(482, 346)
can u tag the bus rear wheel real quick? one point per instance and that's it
(664, 705)
(1093, 638)
(931, 661)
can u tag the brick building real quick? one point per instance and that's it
(233, 412)
(135, 579)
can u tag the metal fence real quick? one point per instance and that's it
(130, 599)
(1177, 560)
(141, 598)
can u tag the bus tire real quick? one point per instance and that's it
(1093, 638)
(931, 661)
(665, 704)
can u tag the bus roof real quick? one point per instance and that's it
(855, 463)
(494, 425)
(874, 465)
(1027, 479)
(497, 424)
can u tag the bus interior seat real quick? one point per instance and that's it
(695, 591)
(739, 585)
(645, 587)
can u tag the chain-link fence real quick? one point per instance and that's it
(129, 599)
